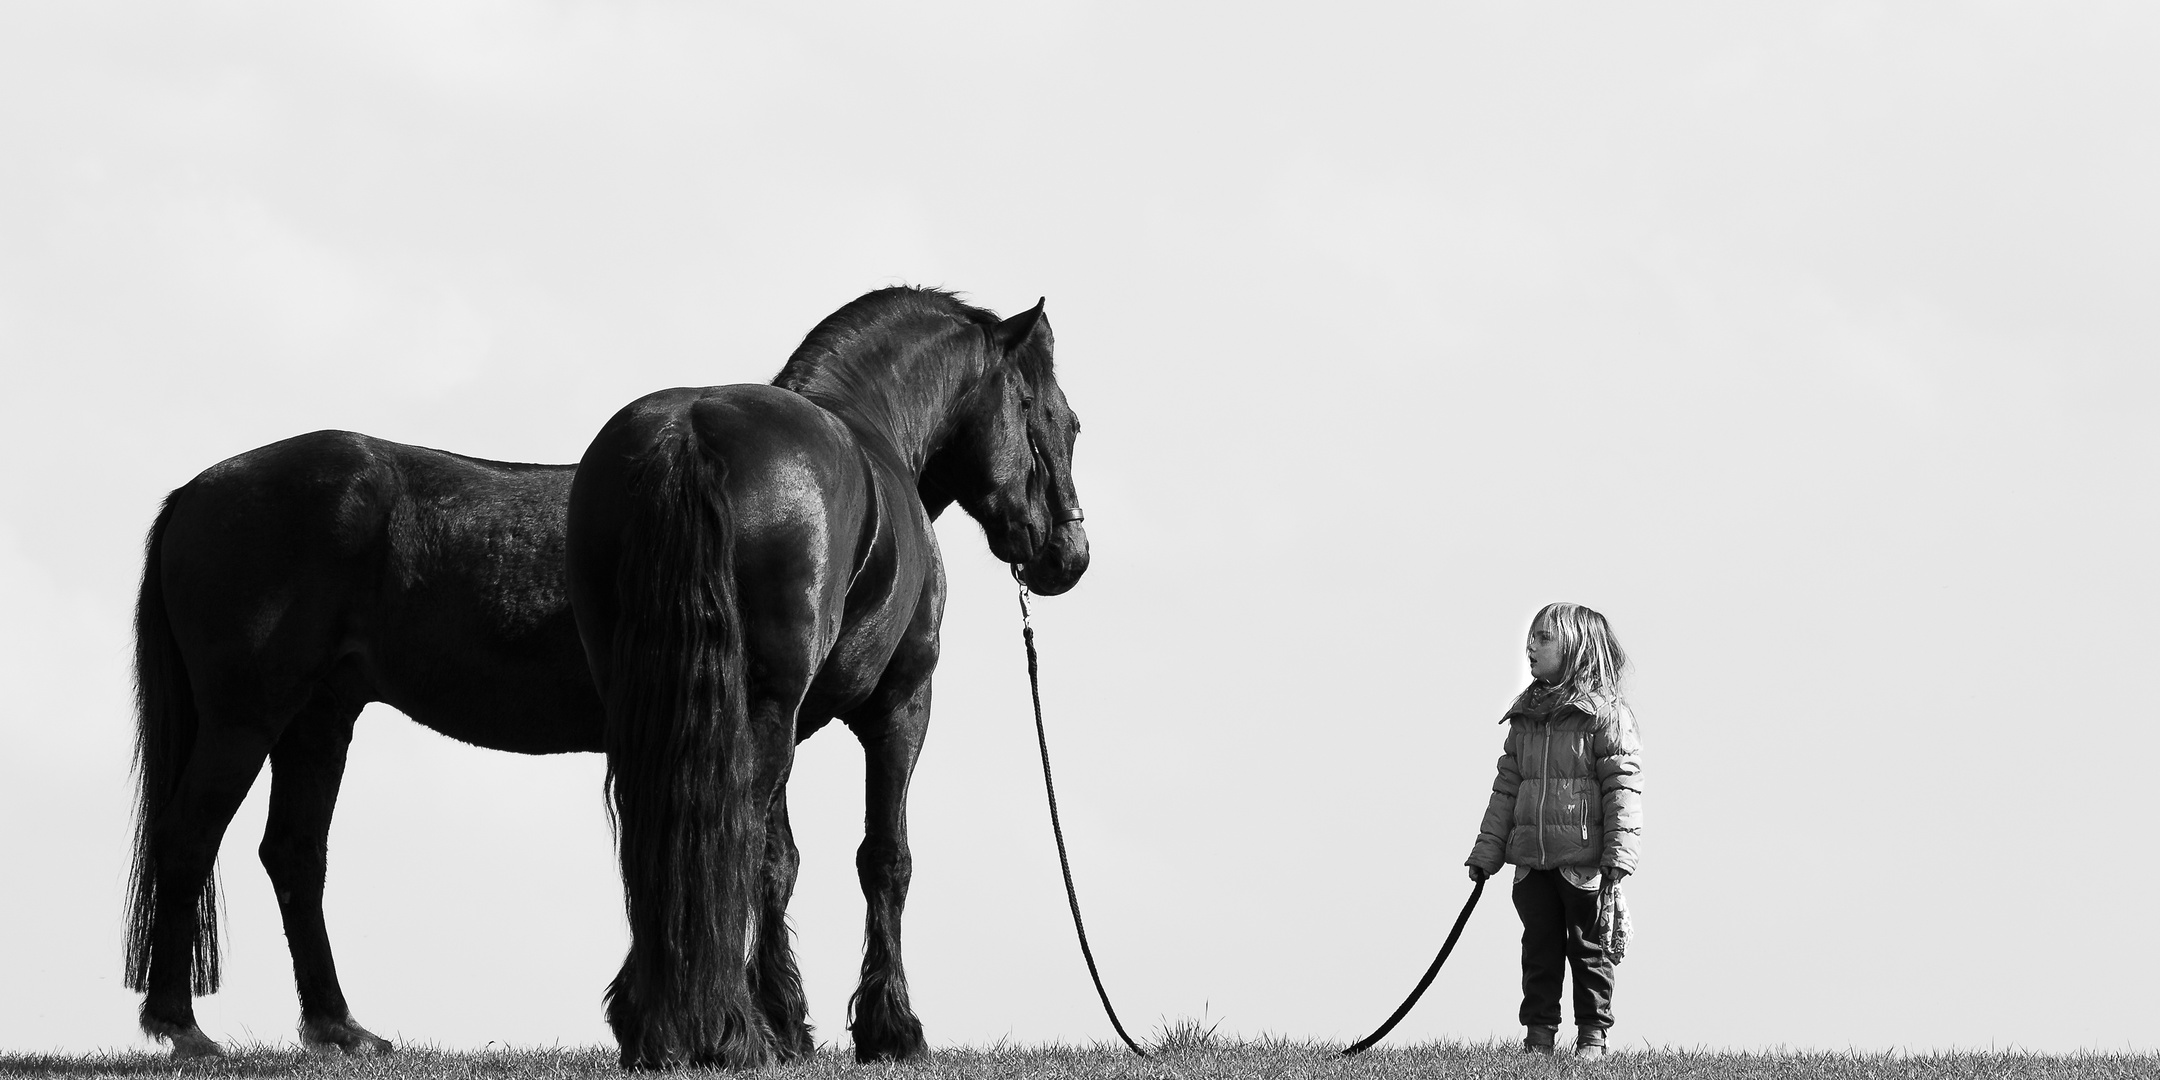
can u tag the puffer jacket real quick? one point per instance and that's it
(1568, 792)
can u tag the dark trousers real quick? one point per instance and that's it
(1559, 932)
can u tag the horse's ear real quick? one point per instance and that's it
(1014, 332)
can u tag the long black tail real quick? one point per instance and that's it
(165, 723)
(680, 766)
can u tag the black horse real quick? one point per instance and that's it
(747, 563)
(284, 589)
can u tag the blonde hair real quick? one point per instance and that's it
(1591, 660)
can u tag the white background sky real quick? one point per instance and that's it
(1811, 343)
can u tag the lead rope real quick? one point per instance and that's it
(1072, 897)
(1447, 947)
(1042, 741)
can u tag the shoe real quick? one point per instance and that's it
(1538, 1038)
(1589, 1043)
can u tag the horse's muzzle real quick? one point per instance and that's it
(1057, 566)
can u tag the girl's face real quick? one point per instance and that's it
(1543, 649)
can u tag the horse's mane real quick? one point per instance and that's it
(831, 361)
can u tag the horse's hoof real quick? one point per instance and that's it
(902, 1045)
(343, 1035)
(867, 1055)
(792, 1040)
(790, 1050)
(886, 1030)
(188, 1041)
(190, 1045)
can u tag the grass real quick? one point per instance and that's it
(1185, 1050)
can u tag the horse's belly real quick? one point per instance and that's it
(531, 726)
(524, 705)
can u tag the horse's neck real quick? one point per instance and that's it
(908, 409)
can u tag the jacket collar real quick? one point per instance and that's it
(1539, 703)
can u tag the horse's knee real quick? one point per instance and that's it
(291, 864)
(883, 864)
(277, 859)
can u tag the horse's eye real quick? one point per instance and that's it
(1026, 403)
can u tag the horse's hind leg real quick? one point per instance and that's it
(779, 982)
(306, 767)
(184, 843)
(882, 1021)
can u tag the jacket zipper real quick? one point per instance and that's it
(1544, 789)
(1582, 753)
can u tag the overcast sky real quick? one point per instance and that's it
(1813, 344)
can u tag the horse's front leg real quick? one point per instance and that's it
(879, 1017)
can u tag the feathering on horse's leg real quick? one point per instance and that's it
(306, 767)
(779, 980)
(880, 1016)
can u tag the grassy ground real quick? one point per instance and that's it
(1208, 1059)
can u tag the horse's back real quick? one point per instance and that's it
(474, 635)
(426, 579)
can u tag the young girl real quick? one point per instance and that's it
(1566, 809)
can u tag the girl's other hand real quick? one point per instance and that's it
(1476, 874)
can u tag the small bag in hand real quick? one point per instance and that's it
(1613, 925)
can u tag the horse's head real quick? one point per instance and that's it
(1009, 460)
